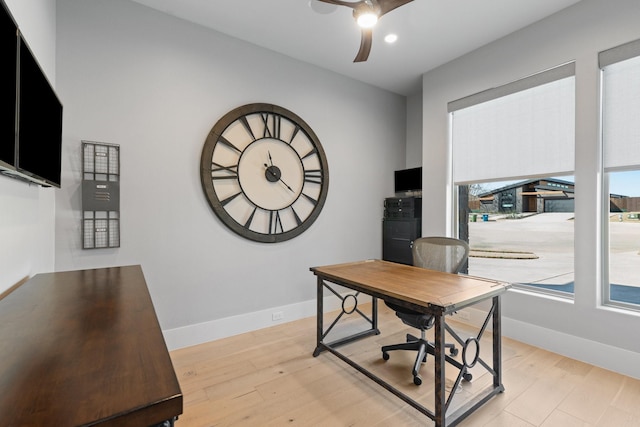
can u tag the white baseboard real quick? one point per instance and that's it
(605, 356)
(595, 353)
(190, 335)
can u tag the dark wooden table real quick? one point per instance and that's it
(85, 348)
(426, 291)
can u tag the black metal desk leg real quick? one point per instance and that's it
(319, 317)
(497, 343)
(440, 398)
(374, 314)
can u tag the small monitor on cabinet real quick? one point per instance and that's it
(408, 181)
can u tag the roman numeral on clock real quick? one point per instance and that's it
(271, 125)
(219, 171)
(275, 223)
(313, 176)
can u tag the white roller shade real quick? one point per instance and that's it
(528, 132)
(621, 115)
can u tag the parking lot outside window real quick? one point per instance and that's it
(529, 242)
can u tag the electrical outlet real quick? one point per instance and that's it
(464, 315)
(278, 315)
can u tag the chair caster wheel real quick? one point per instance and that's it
(467, 376)
(417, 380)
(453, 352)
(385, 355)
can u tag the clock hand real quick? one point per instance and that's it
(285, 184)
(277, 177)
(270, 161)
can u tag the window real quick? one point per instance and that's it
(621, 162)
(513, 161)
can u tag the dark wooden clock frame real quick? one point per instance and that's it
(272, 115)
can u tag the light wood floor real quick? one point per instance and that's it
(270, 378)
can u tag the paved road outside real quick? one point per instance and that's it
(550, 237)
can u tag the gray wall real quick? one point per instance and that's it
(580, 329)
(414, 131)
(154, 84)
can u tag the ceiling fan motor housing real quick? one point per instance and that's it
(365, 7)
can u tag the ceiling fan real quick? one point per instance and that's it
(367, 13)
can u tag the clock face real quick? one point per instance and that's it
(264, 172)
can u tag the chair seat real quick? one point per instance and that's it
(412, 318)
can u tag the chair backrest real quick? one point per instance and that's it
(440, 253)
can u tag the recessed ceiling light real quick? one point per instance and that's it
(390, 38)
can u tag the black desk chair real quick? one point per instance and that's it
(435, 253)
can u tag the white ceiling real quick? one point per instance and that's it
(430, 32)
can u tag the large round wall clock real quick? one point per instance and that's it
(264, 172)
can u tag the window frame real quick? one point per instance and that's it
(457, 215)
(608, 57)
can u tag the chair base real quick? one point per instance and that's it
(423, 347)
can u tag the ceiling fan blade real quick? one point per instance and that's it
(350, 4)
(387, 6)
(365, 45)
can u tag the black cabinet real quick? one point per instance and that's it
(401, 225)
(403, 208)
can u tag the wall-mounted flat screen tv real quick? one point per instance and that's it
(8, 53)
(39, 122)
(30, 111)
(408, 180)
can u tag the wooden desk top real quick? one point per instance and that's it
(84, 348)
(399, 283)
